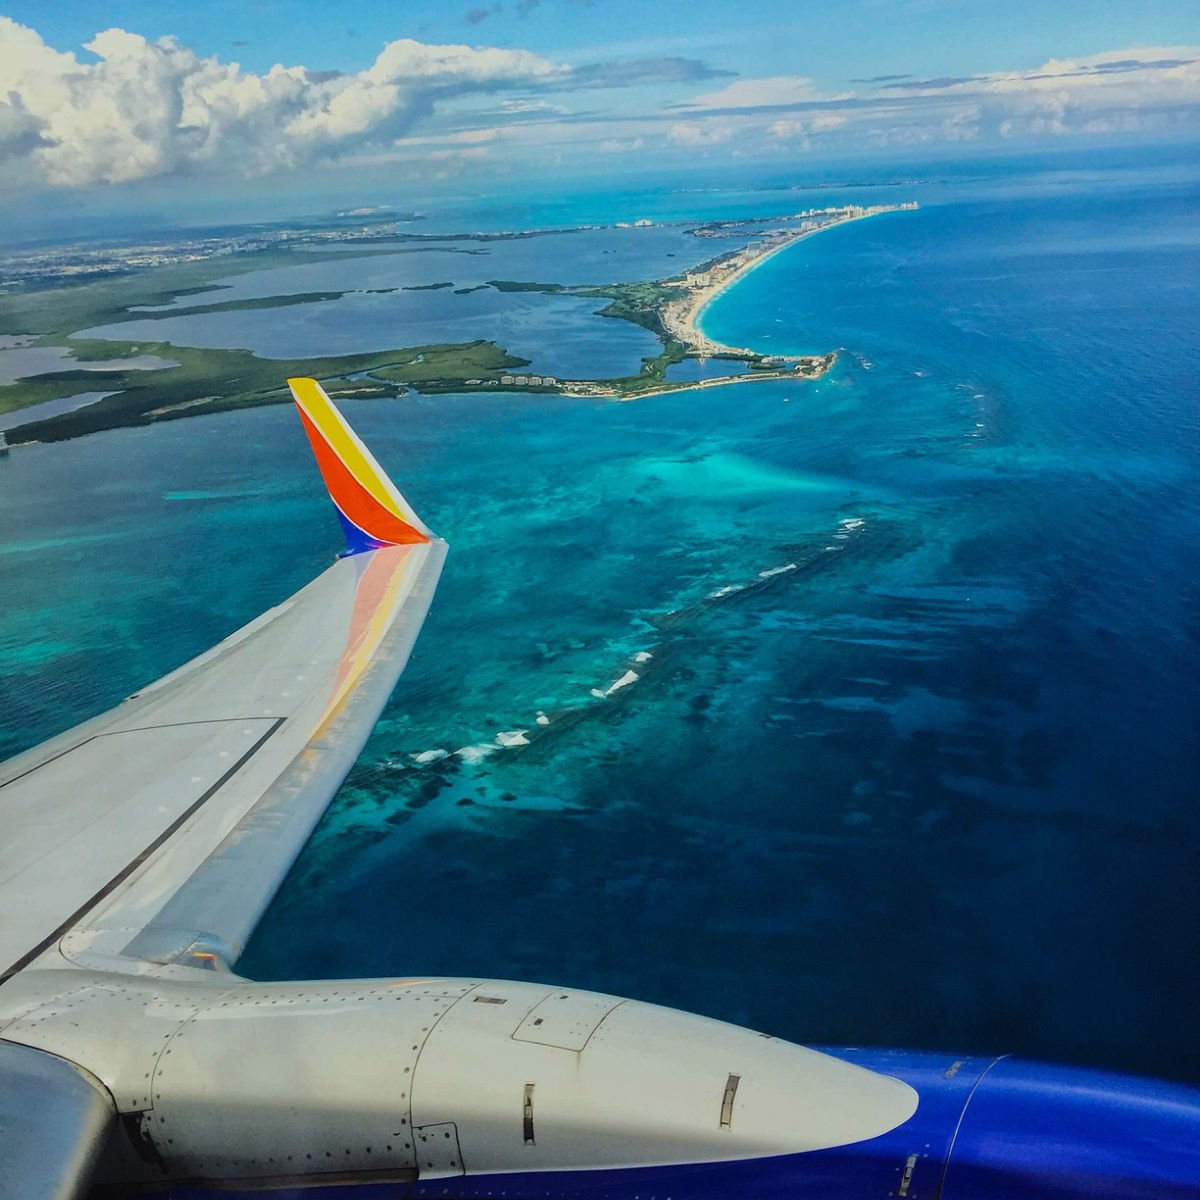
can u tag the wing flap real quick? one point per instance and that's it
(219, 905)
(71, 836)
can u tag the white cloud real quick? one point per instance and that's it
(616, 146)
(449, 155)
(699, 133)
(134, 109)
(788, 128)
(474, 136)
(1117, 91)
(755, 93)
(520, 107)
(154, 108)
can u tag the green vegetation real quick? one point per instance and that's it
(204, 380)
(448, 364)
(653, 375)
(55, 386)
(637, 302)
(248, 305)
(55, 312)
(220, 380)
(517, 285)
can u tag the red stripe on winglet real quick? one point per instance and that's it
(353, 499)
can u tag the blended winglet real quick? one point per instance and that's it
(372, 510)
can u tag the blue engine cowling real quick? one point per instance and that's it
(985, 1129)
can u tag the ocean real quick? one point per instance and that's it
(906, 743)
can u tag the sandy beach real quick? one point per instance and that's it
(681, 317)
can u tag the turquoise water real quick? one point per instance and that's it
(913, 759)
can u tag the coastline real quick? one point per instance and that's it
(826, 362)
(195, 381)
(681, 318)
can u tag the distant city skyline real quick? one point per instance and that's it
(104, 102)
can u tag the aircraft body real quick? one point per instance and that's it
(141, 848)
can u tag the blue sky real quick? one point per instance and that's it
(830, 41)
(238, 94)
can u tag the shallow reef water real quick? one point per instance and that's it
(858, 711)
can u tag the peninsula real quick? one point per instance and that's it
(109, 384)
(671, 308)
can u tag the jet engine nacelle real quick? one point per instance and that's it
(446, 1089)
(447, 1080)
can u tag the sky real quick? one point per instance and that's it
(107, 100)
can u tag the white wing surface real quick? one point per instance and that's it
(157, 833)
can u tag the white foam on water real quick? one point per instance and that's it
(625, 680)
(512, 737)
(542, 719)
(473, 754)
(726, 591)
(777, 571)
(642, 656)
(852, 523)
(430, 756)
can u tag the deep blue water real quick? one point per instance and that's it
(914, 759)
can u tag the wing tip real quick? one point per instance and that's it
(372, 511)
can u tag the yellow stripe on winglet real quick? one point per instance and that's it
(345, 444)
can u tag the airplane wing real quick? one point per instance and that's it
(153, 837)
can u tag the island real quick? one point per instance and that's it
(190, 381)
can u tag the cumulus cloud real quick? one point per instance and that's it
(153, 108)
(132, 109)
(1117, 91)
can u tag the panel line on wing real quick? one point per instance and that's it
(130, 867)
(120, 732)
